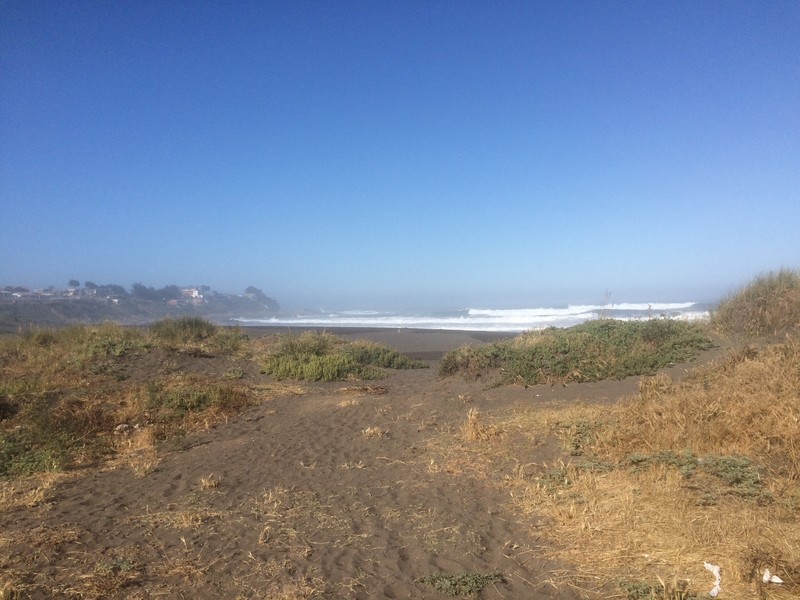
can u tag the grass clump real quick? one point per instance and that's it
(768, 306)
(324, 357)
(183, 330)
(739, 475)
(172, 399)
(475, 430)
(602, 349)
(25, 453)
(70, 350)
(462, 584)
(744, 406)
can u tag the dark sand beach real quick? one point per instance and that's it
(323, 490)
(425, 344)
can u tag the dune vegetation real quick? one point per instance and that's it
(601, 349)
(67, 394)
(682, 473)
(315, 356)
(768, 306)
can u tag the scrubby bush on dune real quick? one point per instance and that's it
(769, 306)
(324, 357)
(196, 336)
(592, 351)
(183, 330)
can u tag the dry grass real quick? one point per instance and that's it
(746, 405)
(8, 591)
(210, 482)
(77, 395)
(292, 519)
(294, 590)
(477, 431)
(184, 517)
(31, 491)
(348, 402)
(768, 306)
(138, 450)
(363, 390)
(707, 470)
(374, 432)
(679, 475)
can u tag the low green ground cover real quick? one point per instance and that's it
(602, 349)
(324, 357)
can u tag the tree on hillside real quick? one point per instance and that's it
(169, 292)
(90, 285)
(74, 283)
(111, 289)
(139, 290)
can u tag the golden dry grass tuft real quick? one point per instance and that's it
(746, 405)
(31, 491)
(374, 432)
(475, 430)
(210, 482)
(9, 591)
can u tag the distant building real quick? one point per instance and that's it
(191, 295)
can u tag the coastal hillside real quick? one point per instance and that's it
(142, 305)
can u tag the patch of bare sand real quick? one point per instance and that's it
(291, 500)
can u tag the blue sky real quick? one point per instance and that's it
(401, 154)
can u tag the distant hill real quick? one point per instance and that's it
(128, 310)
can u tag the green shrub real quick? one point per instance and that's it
(181, 400)
(308, 343)
(24, 453)
(183, 330)
(310, 368)
(49, 439)
(369, 353)
(462, 584)
(227, 341)
(592, 351)
(324, 357)
(770, 305)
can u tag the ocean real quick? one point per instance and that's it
(487, 319)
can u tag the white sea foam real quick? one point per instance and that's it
(489, 319)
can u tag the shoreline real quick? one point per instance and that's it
(422, 344)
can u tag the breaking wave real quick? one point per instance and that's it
(487, 319)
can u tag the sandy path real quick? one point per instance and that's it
(305, 502)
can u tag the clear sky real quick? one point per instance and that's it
(401, 154)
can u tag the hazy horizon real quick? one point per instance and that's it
(402, 155)
(416, 302)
